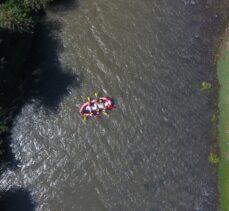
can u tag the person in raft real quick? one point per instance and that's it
(88, 109)
(94, 109)
(97, 106)
(100, 104)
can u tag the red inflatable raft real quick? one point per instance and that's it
(95, 107)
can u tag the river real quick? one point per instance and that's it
(151, 152)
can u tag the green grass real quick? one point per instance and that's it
(223, 129)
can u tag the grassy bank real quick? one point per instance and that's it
(223, 125)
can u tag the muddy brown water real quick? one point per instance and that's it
(151, 152)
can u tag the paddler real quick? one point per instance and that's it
(88, 108)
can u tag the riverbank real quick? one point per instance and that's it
(223, 123)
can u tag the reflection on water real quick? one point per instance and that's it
(151, 152)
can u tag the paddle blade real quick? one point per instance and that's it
(104, 113)
(84, 118)
(89, 99)
(96, 94)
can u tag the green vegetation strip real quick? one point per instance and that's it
(223, 128)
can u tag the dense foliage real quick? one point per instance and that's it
(16, 14)
(14, 18)
(34, 4)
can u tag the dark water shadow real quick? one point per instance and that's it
(42, 78)
(64, 5)
(16, 200)
(50, 81)
(8, 159)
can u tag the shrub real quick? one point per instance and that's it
(13, 17)
(16, 14)
(35, 4)
(213, 158)
(205, 86)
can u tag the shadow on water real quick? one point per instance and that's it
(63, 5)
(50, 81)
(16, 200)
(44, 79)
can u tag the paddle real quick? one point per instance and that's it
(97, 99)
(105, 113)
(84, 118)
